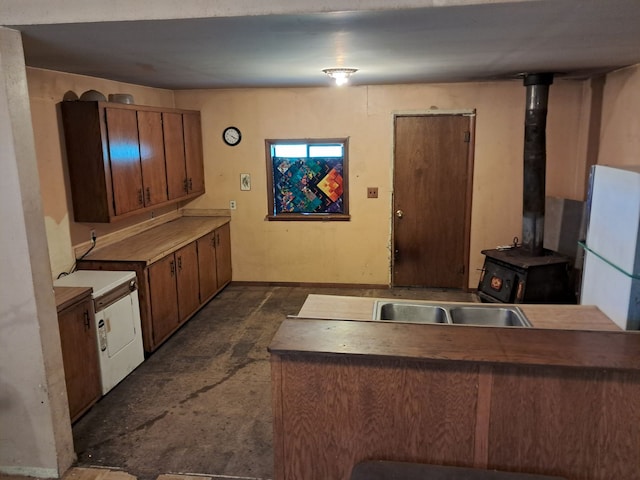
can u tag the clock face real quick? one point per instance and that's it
(231, 136)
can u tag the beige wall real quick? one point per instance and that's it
(327, 252)
(358, 251)
(620, 133)
(35, 432)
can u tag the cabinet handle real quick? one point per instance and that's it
(213, 241)
(148, 195)
(190, 184)
(179, 264)
(140, 197)
(172, 265)
(217, 239)
(185, 185)
(87, 323)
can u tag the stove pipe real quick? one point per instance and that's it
(535, 160)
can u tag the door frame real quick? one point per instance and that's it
(471, 113)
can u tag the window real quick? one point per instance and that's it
(307, 179)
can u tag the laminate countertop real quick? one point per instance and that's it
(562, 317)
(562, 335)
(158, 242)
(66, 296)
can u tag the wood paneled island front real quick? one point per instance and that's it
(535, 400)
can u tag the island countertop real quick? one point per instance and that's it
(461, 343)
(598, 344)
(559, 317)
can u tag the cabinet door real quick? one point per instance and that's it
(188, 290)
(154, 173)
(163, 297)
(124, 160)
(193, 152)
(223, 254)
(80, 356)
(207, 266)
(174, 154)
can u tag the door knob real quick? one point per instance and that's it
(399, 213)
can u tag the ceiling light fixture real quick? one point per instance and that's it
(340, 75)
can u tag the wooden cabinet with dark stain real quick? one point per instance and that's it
(223, 255)
(163, 298)
(187, 282)
(179, 265)
(208, 275)
(183, 147)
(78, 340)
(194, 162)
(214, 260)
(126, 159)
(177, 183)
(152, 157)
(173, 290)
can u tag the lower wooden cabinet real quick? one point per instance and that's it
(208, 276)
(79, 348)
(173, 283)
(187, 283)
(214, 261)
(163, 298)
(173, 290)
(223, 255)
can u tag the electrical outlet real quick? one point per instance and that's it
(372, 192)
(232, 204)
(92, 235)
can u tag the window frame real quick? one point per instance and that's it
(291, 216)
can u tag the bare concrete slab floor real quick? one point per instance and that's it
(201, 404)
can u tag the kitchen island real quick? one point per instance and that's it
(548, 400)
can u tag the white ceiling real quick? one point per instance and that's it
(467, 42)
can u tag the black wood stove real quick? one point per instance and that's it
(514, 276)
(528, 273)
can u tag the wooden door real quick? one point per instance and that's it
(207, 266)
(163, 298)
(124, 160)
(174, 154)
(188, 288)
(193, 152)
(223, 254)
(80, 356)
(154, 172)
(431, 205)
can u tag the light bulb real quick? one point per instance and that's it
(340, 75)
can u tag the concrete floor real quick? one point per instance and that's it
(201, 404)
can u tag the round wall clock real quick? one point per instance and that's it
(231, 136)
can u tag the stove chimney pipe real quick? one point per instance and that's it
(535, 160)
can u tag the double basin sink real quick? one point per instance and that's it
(456, 314)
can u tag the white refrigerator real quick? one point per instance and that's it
(611, 272)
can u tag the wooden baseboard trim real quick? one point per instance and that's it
(308, 285)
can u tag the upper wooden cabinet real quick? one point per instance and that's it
(174, 153)
(193, 152)
(125, 159)
(152, 157)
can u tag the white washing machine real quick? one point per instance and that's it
(117, 316)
